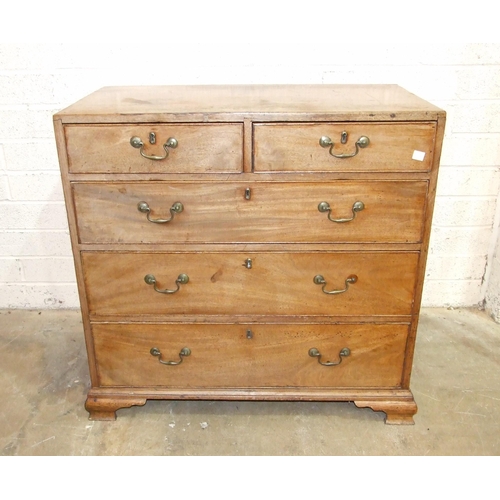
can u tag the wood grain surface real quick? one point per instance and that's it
(277, 284)
(258, 102)
(276, 212)
(295, 147)
(275, 356)
(202, 148)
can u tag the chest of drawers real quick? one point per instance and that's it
(250, 242)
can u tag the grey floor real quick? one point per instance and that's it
(44, 380)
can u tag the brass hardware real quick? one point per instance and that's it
(356, 207)
(176, 208)
(248, 193)
(248, 263)
(152, 138)
(314, 353)
(182, 279)
(326, 142)
(136, 142)
(249, 334)
(319, 280)
(185, 351)
(343, 137)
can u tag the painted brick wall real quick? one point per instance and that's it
(36, 268)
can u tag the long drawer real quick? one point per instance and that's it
(249, 355)
(178, 148)
(375, 283)
(367, 147)
(383, 212)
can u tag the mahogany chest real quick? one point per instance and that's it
(250, 242)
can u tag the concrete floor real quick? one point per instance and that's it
(44, 380)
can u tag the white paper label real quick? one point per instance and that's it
(418, 155)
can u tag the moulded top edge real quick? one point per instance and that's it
(368, 116)
(236, 102)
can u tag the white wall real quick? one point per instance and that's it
(492, 299)
(36, 269)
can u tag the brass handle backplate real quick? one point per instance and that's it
(326, 142)
(136, 142)
(314, 353)
(357, 207)
(320, 280)
(182, 279)
(176, 208)
(185, 351)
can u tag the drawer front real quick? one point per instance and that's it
(275, 283)
(200, 148)
(296, 147)
(222, 356)
(275, 212)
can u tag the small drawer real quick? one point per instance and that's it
(382, 147)
(245, 356)
(166, 148)
(357, 212)
(367, 283)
